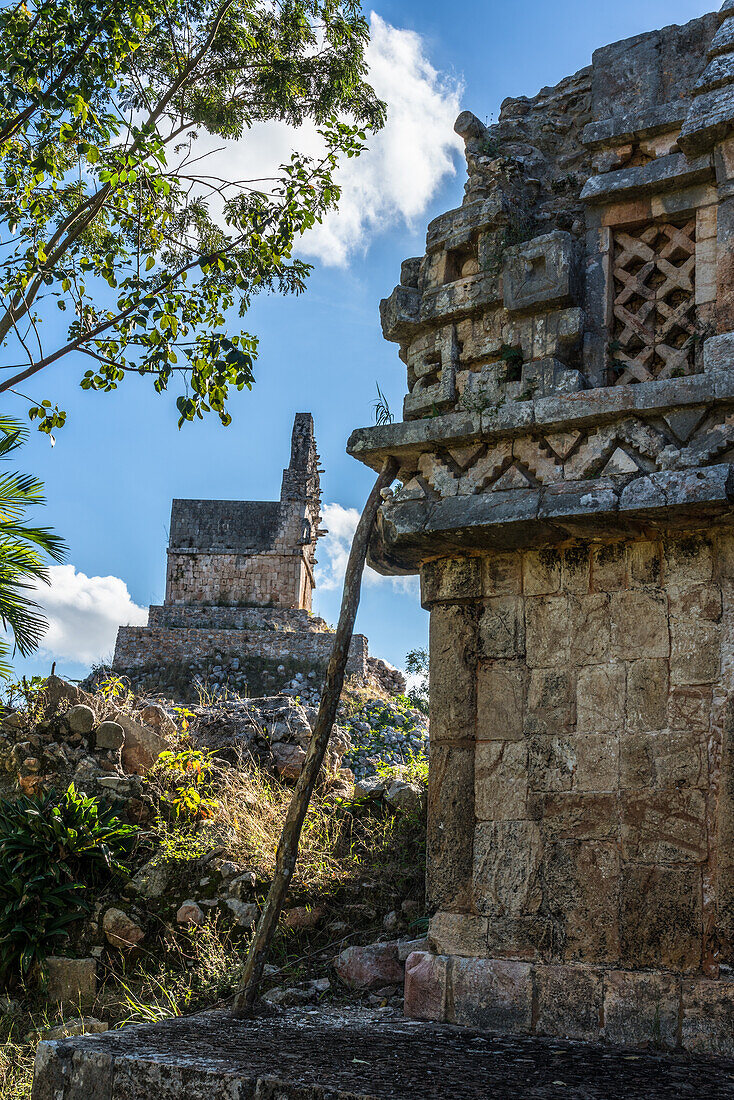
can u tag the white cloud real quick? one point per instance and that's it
(333, 552)
(394, 180)
(84, 613)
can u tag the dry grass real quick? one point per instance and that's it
(16, 1070)
(339, 838)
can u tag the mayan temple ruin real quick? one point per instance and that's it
(239, 590)
(567, 497)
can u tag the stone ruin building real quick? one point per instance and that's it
(567, 496)
(239, 588)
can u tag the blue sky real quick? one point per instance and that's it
(120, 460)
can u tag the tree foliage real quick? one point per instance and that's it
(109, 212)
(417, 666)
(23, 552)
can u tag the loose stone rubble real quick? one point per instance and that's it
(567, 495)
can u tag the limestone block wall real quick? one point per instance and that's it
(271, 579)
(580, 805)
(172, 616)
(139, 647)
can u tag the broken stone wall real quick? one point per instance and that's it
(566, 491)
(585, 253)
(239, 588)
(260, 553)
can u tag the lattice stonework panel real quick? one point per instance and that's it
(654, 310)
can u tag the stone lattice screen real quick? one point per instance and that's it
(654, 324)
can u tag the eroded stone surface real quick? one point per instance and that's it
(356, 1056)
(567, 495)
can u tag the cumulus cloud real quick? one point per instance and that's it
(84, 613)
(333, 552)
(394, 180)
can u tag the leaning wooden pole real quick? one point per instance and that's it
(290, 837)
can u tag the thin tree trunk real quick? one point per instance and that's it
(330, 696)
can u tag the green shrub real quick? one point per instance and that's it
(185, 783)
(51, 849)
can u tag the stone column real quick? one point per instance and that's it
(451, 591)
(724, 160)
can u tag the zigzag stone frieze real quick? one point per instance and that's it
(630, 448)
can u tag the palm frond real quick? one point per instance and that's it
(18, 492)
(23, 552)
(13, 434)
(42, 537)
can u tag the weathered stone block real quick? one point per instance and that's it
(645, 563)
(695, 602)
(525, 937)
(577, 569)
(718, 352)
(666, 826)
(501, 781)
(639, 625)
(453, 647)
(541, 570)
(647, 696)
(458, 934)
(491, 994)
(660, 917)
(450, 828)
(71, 981)
(709, 120)
(552, 763)
(502, 628)
(370, 967)
(670, 173)
(426, 979)
(141, 747)
(582, 894)
(570, 1001)
(708, 1016)
(689, 708)
(400, 313)
(502, 574)
(580, 816)
(548, 640)
(451, 579)
(543, 272)
(500, 702)
(641, 1009)
(551, 701)
(696, 652)
(609, 567)
(548, 377)
(600, 698)
(688, 560)
(597, 762)
(507, 859)
(590, 629)
(669, 759)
